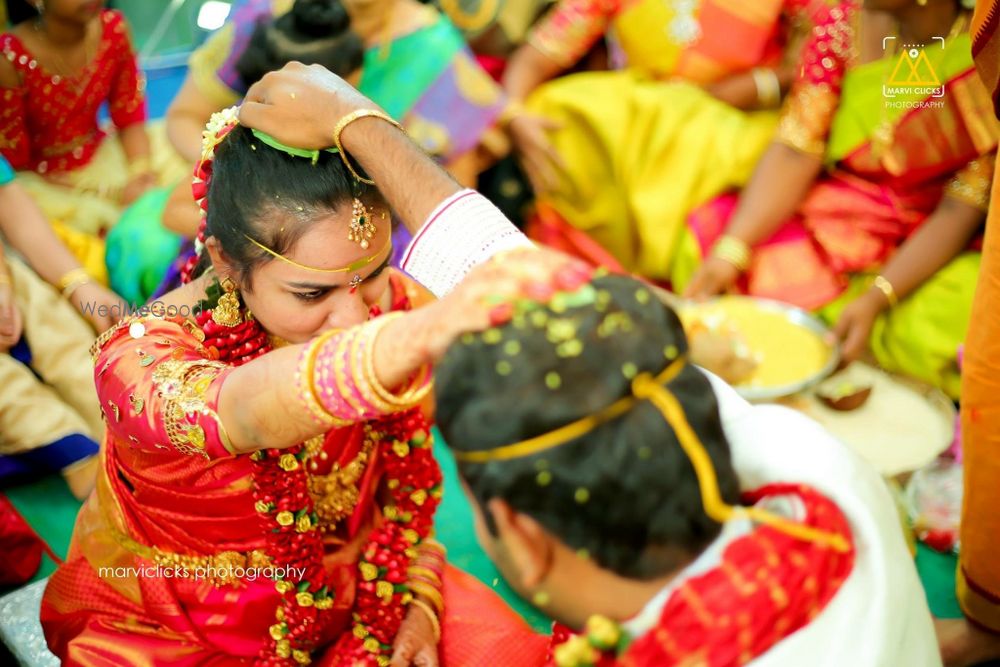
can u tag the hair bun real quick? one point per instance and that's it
(319, 18)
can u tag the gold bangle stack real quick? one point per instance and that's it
(734, 251)
(426, 590)
(72, 281)
(307, 385)
(768, 87)
(416, 391)
(425, 572)
(882, 284)
(347, 120)
(426, 608)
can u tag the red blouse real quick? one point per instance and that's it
(49, 123)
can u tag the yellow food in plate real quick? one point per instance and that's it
(781, 351)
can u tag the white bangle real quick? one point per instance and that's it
(768, 87)
(463, 231)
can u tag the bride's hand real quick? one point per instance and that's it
(415, 644)
(486, 296)
(300, 105)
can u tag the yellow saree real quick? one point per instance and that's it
(645, 145)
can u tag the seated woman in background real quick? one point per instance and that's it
(50, 420)
(58, 68)
(494, 29)
(865, 207)
(620, 158)
(416, 66)
(597, 459)
(154, 239)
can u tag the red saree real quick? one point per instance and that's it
(766, 587)
(49, 123)
(154, 571)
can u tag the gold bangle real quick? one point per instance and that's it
(882, 284)
(429, 592)
(433, 545)
(347, 120)
(422, 571)
(733, 250)
(70, 277)
(768, 86)
(426, 608)
(359, 364)
(407, 398)
(307, 381)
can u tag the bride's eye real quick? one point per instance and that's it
(312, 295)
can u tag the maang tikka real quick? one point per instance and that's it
(362, 228)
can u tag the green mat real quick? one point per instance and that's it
(51, 510)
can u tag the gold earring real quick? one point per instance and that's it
(362, 228)
(227, 311)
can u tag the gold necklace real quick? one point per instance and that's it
(64, 71)
(337, 494)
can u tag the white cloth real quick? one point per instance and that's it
(21, 629)
(464, 230)
(879, 617)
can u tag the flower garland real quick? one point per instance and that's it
(287, 512)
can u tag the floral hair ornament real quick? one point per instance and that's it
(646, 387)
(218, 127)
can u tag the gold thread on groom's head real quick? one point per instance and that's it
(646, 387)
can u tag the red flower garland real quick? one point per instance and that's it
(288, 518)
(287, 511)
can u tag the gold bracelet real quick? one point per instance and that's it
(429, 592)
(71, 277)
(72, 281)
(347, 120)
(426, 608)
(768, 87)
(733, 250)
(883, 285)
